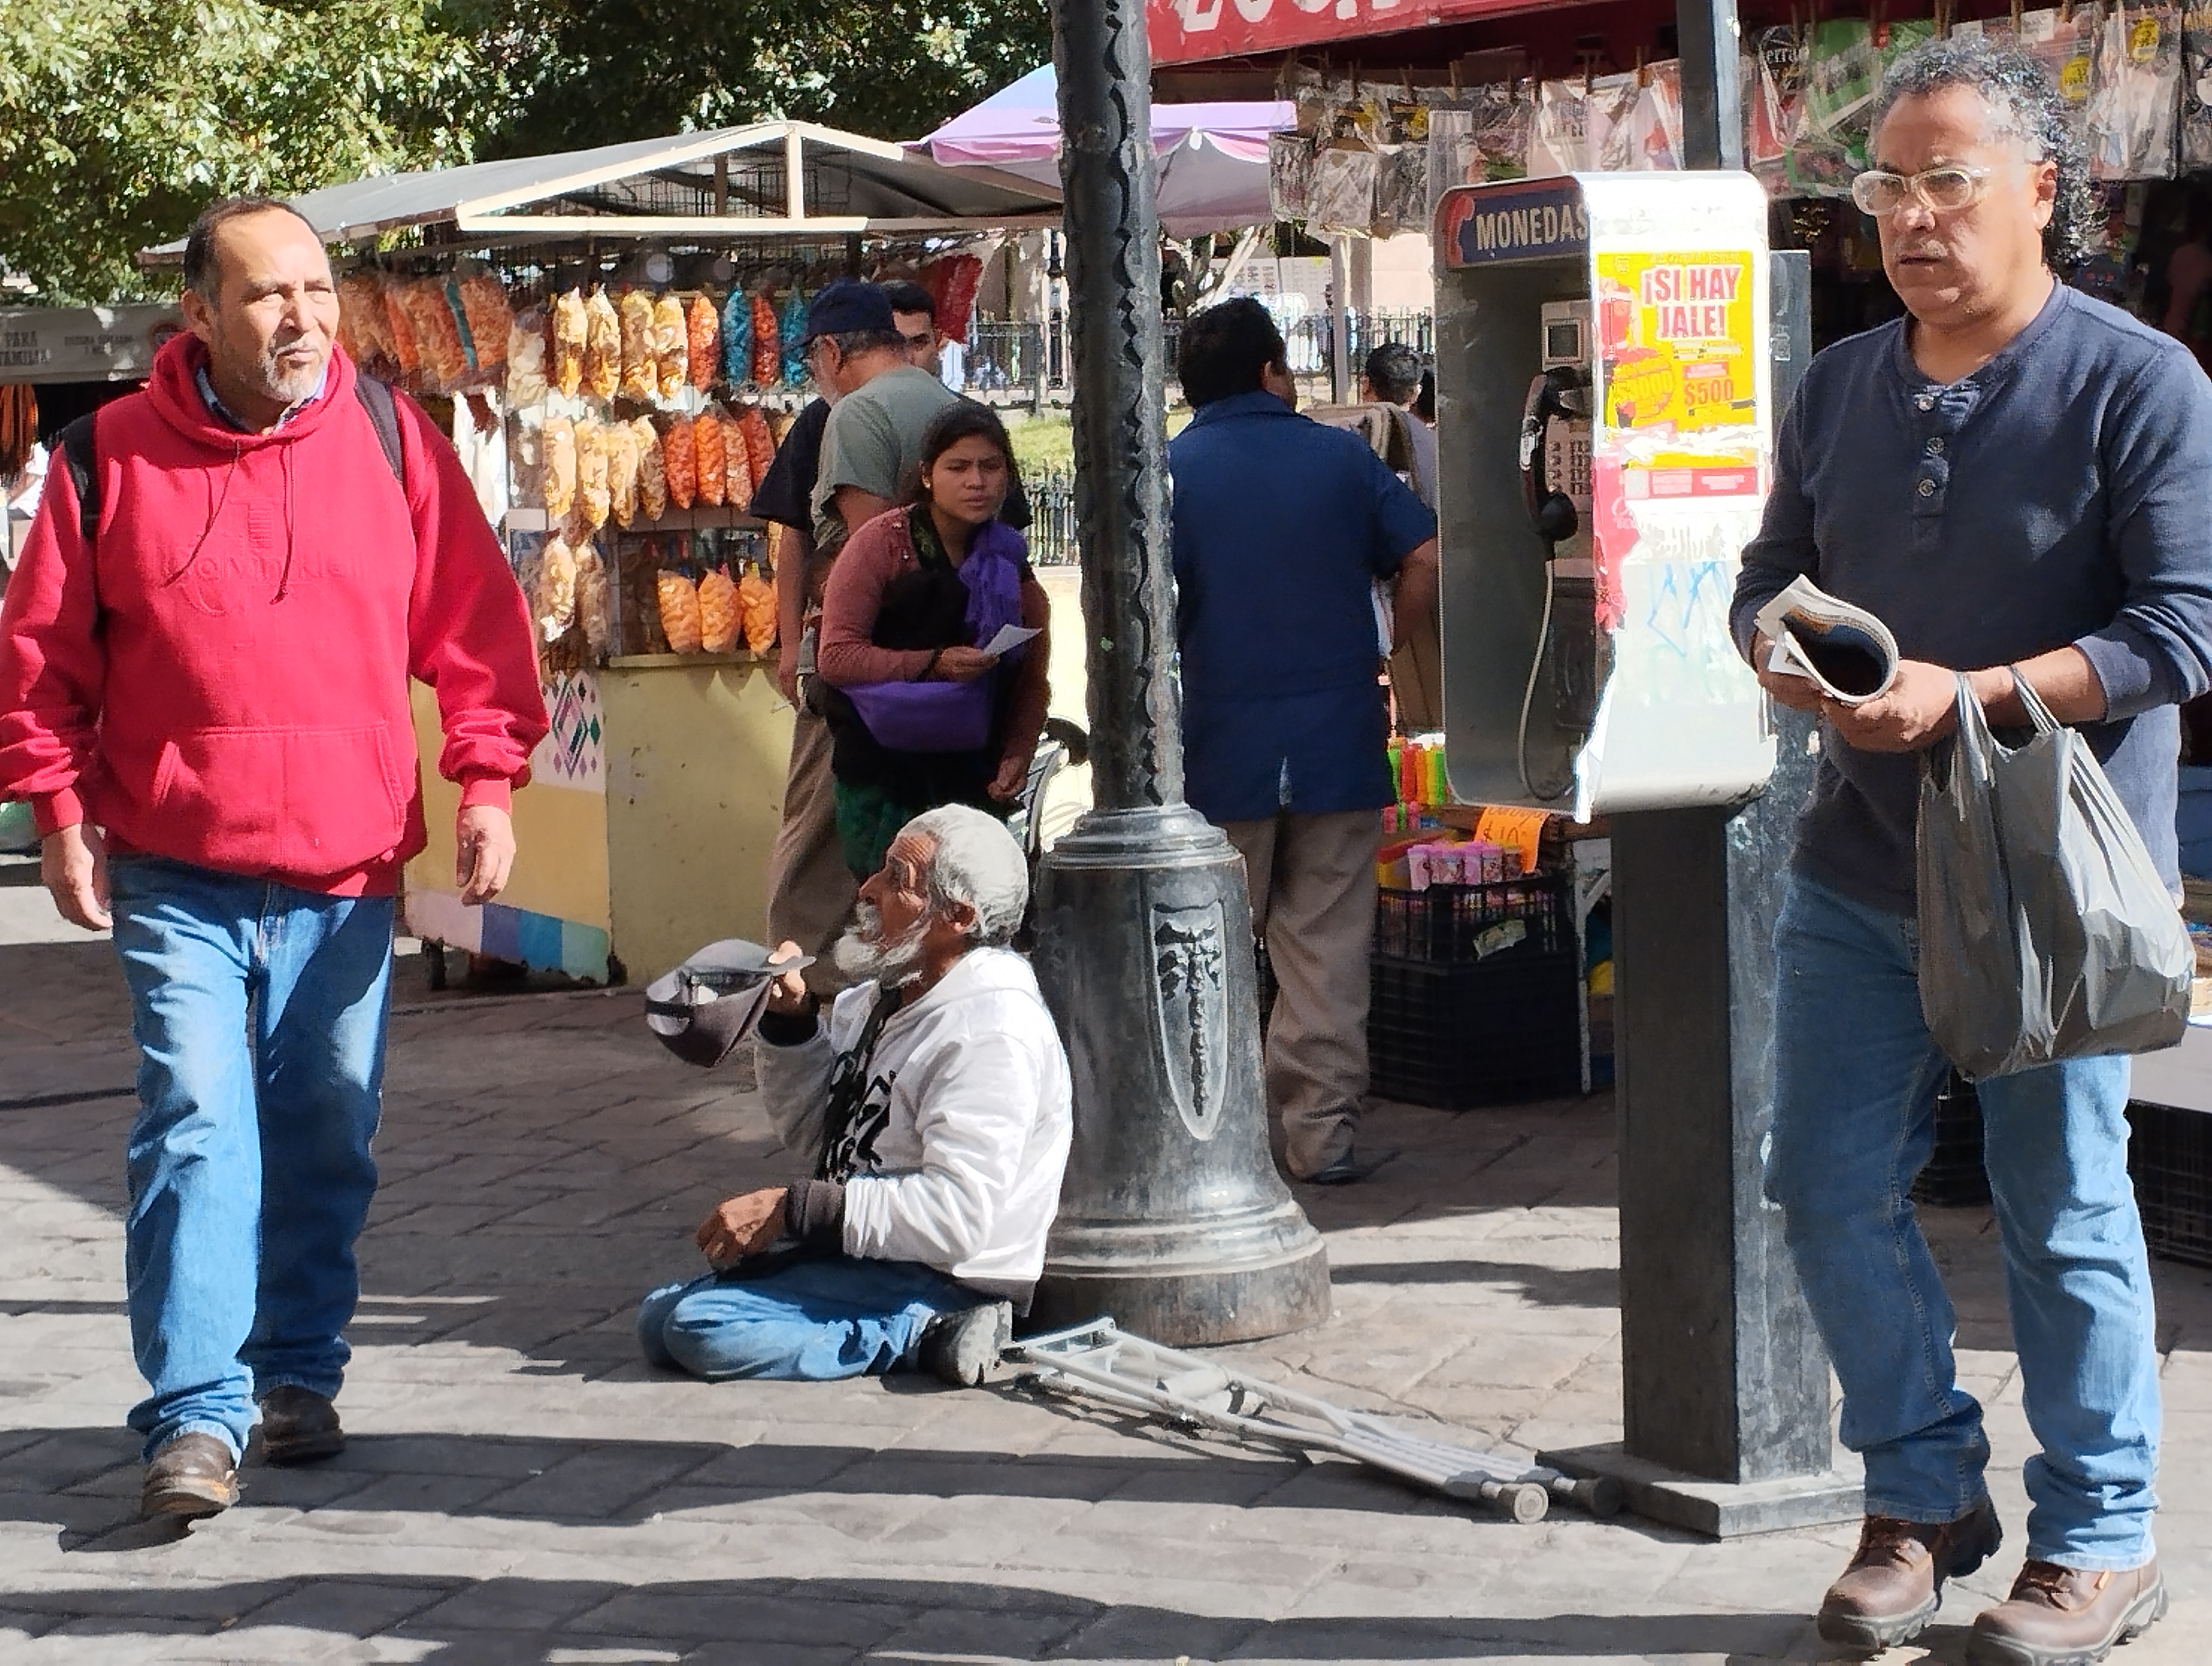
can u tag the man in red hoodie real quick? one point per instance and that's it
(203, 697)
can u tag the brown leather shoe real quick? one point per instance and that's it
(298, 1426)
(1895, 1582)
(191, 1476)
(2067, 1616)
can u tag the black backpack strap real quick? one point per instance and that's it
(74, 443)
(376, 398)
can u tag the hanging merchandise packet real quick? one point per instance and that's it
(1774, 98)
(1289, 175)
(1344, 189)
(1846, 650)
(2196, 136)
(1606, 123)
(1558, 137)
(2064, 41)
(2134, 93)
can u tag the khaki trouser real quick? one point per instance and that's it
(1312, 884)
(810, 890)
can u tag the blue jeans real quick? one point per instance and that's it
(1856, 1077)
(259, 1013)
(807, 1321)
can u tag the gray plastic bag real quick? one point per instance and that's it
(2045, 931)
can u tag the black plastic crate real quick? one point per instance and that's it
(1453, 925)
(1955, 1176)
(2170, 1159)
(1496, 1031)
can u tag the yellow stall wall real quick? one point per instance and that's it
(696, 758)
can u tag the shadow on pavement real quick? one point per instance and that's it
(514, 1619)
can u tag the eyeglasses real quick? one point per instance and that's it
(923, 343)
(1944, 190)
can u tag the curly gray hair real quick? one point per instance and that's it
(2023, 105)
(976, 861)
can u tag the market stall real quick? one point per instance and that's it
(613, 335)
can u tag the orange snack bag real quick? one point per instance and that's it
(703, 329)
(721, 625)
(707, 445)
(767, 347)
(483, 300)
(651, 482)
(679, 612)
(736, 463)
(757, 599)
(679, 463)
(760, 443)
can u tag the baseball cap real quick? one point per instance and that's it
(714, 1000)
(846, 306)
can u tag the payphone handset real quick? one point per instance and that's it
(1565, 679)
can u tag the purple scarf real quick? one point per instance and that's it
(953, 717)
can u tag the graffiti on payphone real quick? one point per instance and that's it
(1675, 340)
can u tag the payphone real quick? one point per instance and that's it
(1603, 413)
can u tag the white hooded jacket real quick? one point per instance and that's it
(960, 1143)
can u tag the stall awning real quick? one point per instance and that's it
(781, 178)
(1196, 30)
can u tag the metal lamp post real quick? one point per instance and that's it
(1173, 1218)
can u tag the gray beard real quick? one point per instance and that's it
(863, 958)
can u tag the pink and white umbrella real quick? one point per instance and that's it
(1212, 157)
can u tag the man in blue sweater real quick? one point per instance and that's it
(2018, 479)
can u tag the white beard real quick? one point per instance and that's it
(862, 955)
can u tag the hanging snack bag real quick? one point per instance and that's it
(679, 463)
(526, 359)
(2195, 142)
(768, 343)
(602, 346)
(2135, 93)
(702, 328)
(757, 604)
(672, 345)
(651, 482)
(760, 442)
(592, 611)
(571, 329)
(490, 320)
(721, 623)
(553, 602)
(1559, 134)
(791, 331)
(738, 339)
(558, 442)
(679, 612)
(594, 500)
(641, 366)
(739, 478)
(361, 330)
(399, 333)
(712, 462)
(437, 335)
(620, 439)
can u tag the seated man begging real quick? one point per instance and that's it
(936, 1105)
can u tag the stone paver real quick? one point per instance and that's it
(520, 1488)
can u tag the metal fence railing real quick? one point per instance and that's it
(1003, 353)
(1052, 517)
(1312, 340)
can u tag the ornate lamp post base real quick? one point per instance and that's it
(1173, 1220)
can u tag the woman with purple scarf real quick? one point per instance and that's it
(919, 714)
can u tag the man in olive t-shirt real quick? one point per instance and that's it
(872, 444)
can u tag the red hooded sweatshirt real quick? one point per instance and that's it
(223, 678)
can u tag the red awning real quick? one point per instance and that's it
(1196, 30)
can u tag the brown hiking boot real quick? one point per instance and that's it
(1895, 1582)
(298, 1426)
(191, 1476)
(2067, 1616)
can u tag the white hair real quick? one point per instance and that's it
(974, 859)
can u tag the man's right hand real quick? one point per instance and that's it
(786, 671)
(73, 862)
(1799, 694)
(963, 665)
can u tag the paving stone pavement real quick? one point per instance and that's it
(520, 1488)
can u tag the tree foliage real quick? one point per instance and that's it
(120, 119)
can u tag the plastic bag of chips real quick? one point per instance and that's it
(571, 329)
(399, 332)
(593, 612)
(558, 443)
(595, 499)
(712, 463)
(437, 335)
(679, 612)
(738, 339)
(760, 442)
(526, 359)
(651, 482)
(602, 346)
(641, 366)
(791, 331)
(553, 602)
(738, 478)
(757, 604)
(768, 343)
(490, 320)
(679, 463)
(702, 330)
(672, 345)
(361, 329)
(2135, 93)
(721, 624)
(620, 441)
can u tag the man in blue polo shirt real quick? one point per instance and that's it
(1282, 529)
